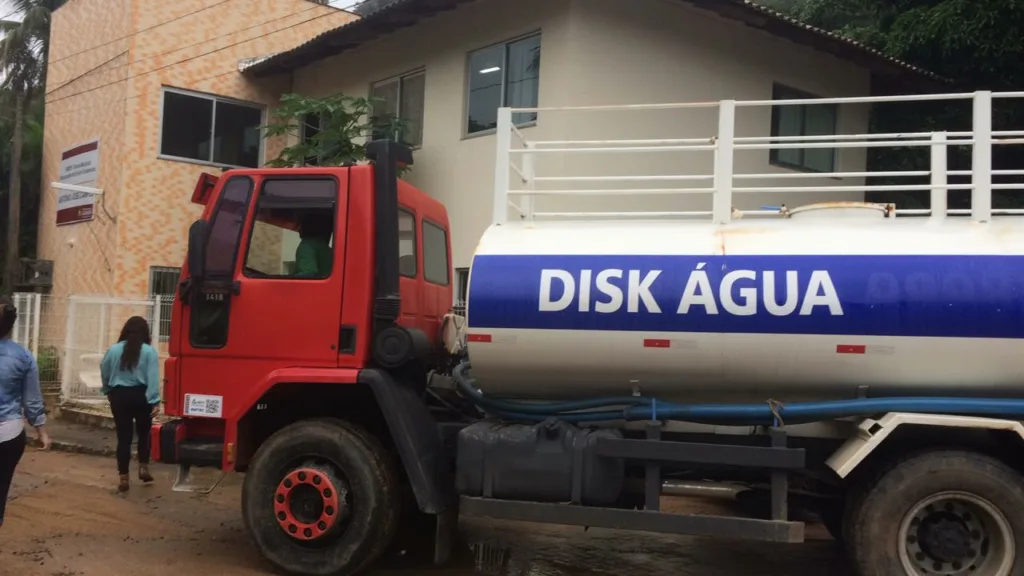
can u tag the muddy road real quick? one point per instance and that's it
(67, 520)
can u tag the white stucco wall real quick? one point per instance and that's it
(595, 52)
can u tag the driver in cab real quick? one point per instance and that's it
(313, 255)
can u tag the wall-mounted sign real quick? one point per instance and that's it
(79, 165)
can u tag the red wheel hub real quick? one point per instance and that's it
(308, 503)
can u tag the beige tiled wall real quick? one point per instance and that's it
(108, 62)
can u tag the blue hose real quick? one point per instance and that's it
(633, 408)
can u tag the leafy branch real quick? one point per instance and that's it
(330, 131)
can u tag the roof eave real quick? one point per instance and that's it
(387, 20)
(405, 13)
(782, 26)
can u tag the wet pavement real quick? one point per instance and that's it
(67, 520)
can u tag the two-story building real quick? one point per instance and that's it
(446, 66)
(142, 96)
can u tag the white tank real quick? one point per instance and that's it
(822, 304)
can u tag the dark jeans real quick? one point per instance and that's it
(132, 415)
(10, 455)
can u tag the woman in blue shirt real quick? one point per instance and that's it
(130, 373)
(20, 399)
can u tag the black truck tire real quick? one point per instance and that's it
(336, 454)
(939, 512)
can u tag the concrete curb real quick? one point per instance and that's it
(73, 448)
(86, 417)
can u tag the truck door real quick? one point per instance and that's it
(272, 292)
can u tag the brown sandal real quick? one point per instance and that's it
(124, 484)
(144, 474)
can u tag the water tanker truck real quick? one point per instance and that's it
(858, 361)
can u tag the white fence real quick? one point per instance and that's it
(39, 328)
(69, 336)
(720, 149)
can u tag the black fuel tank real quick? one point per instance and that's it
(537, 463)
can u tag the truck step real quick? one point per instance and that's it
(203, 453)
(639, 520)
(203, 483)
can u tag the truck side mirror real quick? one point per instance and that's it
(197, 250)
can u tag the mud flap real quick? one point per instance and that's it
(419, 445)
(444, 539)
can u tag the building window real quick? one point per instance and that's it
(809, 120)
(435, 254)
(406, 244)
(461, 289)
(312, 124)
(294, 230)
(208, 129)
(163, 282)
(401, 97)
(505, 74)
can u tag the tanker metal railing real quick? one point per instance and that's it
(724, 145)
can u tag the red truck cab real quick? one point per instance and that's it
(309, 293)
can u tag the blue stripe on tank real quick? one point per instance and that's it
(938, 296)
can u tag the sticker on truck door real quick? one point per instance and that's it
(204, 406)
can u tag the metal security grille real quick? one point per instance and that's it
(163, 283)
(461, 290)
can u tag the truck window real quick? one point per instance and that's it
(226, 228)
(293, 235)
(435, 254)
(406, 243)
(209, 326)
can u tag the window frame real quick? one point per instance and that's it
(302, 138)
(460, 295)
(168, 303)
(784, 92)
(213, 124)
(447, 257)
(255, 214)
(415, 242)
(467, 94)
(398, 78)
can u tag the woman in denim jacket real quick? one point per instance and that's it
(20, 399)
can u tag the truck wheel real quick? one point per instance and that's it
(320, 498)
(944, 513)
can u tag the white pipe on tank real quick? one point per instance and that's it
(981, 163)
(529, 174)
(939, 192)
(722, 203)
(502, 172)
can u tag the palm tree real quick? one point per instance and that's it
(23, 55)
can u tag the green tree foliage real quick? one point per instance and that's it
(328, 131)
(976, 44)
(24, 47)
(31, 168)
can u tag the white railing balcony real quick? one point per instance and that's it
(519, 182)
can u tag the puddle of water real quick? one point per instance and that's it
(514, 549)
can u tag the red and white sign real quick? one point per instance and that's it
(80, 166)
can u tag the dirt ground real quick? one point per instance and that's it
(66, 519)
